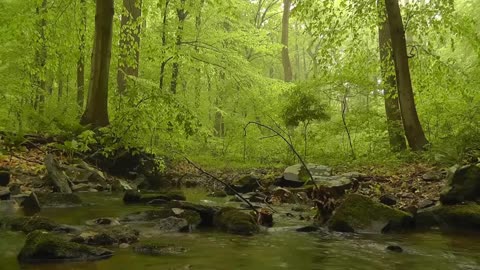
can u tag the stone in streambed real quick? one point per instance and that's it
(4, 178)
(4, 194)
(112, 236)
(60, 200)
(463, 185)
(247, 183)
(135, 197)
(450, 217)
(30, 224)
(154, 216)
(31, 205)
(157, 249)
(235, 221)
(46, 247)
(206, 212)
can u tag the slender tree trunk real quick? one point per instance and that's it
(40, 75)
(392, 106)
(287, 65)
(164, 43)
(129, 43)
(96, 112)
(81, 57)
(413, 129)
(182, 15)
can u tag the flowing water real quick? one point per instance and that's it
(276, 249)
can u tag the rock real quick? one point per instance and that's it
(124, 245)
(359, 213)
(112, 236)
(172, 224)
(154, 216)
(154, 249)
(463, 185)
(433, 176)
(58, 200)
(31, 205)
(425, 204)
(56, 176)
(218, 194)
(394, 248)
(45, 247)
(245, 184)
(4, 194)
(388, 199)
(103, 222)
(83, 187)
(120, 185)
(310, 228)
(157, 202)
(15, 188)
(234, 221)
(297, 175)
(206, 212)
(450, 217)
(135, 197)
(4, 178)
(30, 224)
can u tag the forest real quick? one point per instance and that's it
(239, 134)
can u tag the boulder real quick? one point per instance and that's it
(247, 183)
(31, 204)
(206, 212)
(58, 200)
(4, 194)
(135, 197)
(154, 216)
(82, 187)
(156, 249)
(56, 176)
(450, 217)
(235, 221)
(297, 175)
(463, 185)
(4, 178)
(172, 224)
(388, 199)
(46, 247)
(433, 176)
(103, 222)
(30, 224)
(359, 213)
(112, 236)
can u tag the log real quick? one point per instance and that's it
(56, 176)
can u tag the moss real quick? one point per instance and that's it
(44, 247)
(360, 213)
(234, 221)
(59, 199)
(158, 249)
(191, 216)
(30, 224)
(450, 217)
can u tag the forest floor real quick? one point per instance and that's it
(410, 186)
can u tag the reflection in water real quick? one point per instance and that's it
(268, 251)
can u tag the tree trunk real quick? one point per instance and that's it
(129, 43)
(40, 83)
(164, 43)
(287, 66)
(387, 64)
(96, 112)
(182, 15)
(81, 58)
(413, 129)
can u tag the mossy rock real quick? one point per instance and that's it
(150, 216)
(450, 217)
(41, 247)
(59, 200)
(30, 224)
(463, 185)
(135, 197)
(206, 212)
(158, 249)
(107, 236)
(359, 213)
(235, 221)
(245, 184)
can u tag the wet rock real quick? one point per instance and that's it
(463, 185)
(83, 187)
(394, 248)
(46, 247)
(4, 193)
(359, 213)
(31, 205)
(58, 200)
(433, 176)
(206, 212)
(30, 224)
(310, 228)
(4, 178)
(15, 188)
(234, 221)
(245, 184)
(157, 202)
(58, 179)
(450, 217)
(111, 236)
(156, 249)
(103, 222)
(120, 185)
(124, 245)
(153, 216)
(218, 194)
(297, 175)
(172, 224)
(425, 204)
(135, 197)
(388, 199)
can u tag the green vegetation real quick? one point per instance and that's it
(184, 77)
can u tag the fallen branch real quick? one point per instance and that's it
(224, 183)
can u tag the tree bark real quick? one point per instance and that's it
(129, 43)
(413, 129)
(287, 65)
(387, 64)
(40, 83)
(81, 58)
(96, 112)
(182, 15)
(164, 43)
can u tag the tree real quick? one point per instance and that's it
(287, 65)
(129, 43)
(40, 82)
(182, 15)
(413, 129)
(96, 112)
(81, 56)
(392, 106)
